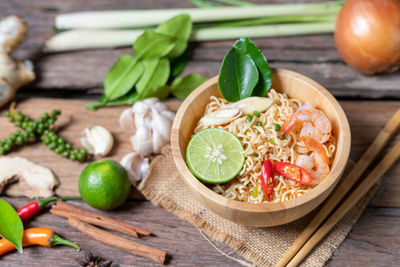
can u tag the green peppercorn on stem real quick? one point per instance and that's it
(39, 130)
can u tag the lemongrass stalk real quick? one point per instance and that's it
(89, 39)
(270, 20)
(215, 34)
(202, 3)
(144, 18)
(235, 2)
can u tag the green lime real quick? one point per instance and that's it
(215, 155)
(104, 184)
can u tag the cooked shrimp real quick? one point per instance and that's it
(305, 161)
(308, 163)
(314, 123)
(321, 160)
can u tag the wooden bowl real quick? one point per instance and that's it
(269, 214)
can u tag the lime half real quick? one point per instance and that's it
(215, 155)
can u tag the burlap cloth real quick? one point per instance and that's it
(261, 246)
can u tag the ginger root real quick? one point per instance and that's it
(13, 73)
(38, 181)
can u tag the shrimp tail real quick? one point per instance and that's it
(288, 125)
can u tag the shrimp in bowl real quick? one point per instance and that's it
(313, 129)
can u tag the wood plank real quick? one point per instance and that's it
(314, 56)
(374, 240)
(369, 243)
(182, 241)
(366, 120)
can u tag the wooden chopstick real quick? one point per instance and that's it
(391, 127)
(349, 203)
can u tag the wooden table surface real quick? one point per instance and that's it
(369, 101)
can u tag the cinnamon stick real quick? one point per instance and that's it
(61, 205)
(93, 220)
(117, 241)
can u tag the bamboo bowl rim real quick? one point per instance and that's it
(336, 169)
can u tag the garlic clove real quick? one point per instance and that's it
(85, 143)
(142, 141)
(251, 104)
(136, 165)
(221, 116)
(140, 108)
(151, 101)
(160, 106)
(168, 114)
(127, 121)
(161, 124)
(98, 140)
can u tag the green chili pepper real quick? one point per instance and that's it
(277, 127)
(257, 114)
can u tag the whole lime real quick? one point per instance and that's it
(104, 184)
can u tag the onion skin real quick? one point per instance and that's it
(367, 35)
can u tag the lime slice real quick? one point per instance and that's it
(215, 155)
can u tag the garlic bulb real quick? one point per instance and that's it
(149, 122)
(97, 140)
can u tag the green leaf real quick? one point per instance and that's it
(152, 44)
(179, 27)
(183, 86)
(264, 70)
(129, 99)
(11, 227)
(179, 63)
(122, 77)
(238, 75)
(160, 92)
(156, 74)
(100, 103)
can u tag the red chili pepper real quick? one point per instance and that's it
(32, 208)
(292, 172)
(267, 179)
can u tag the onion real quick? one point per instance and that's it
(367, 35)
